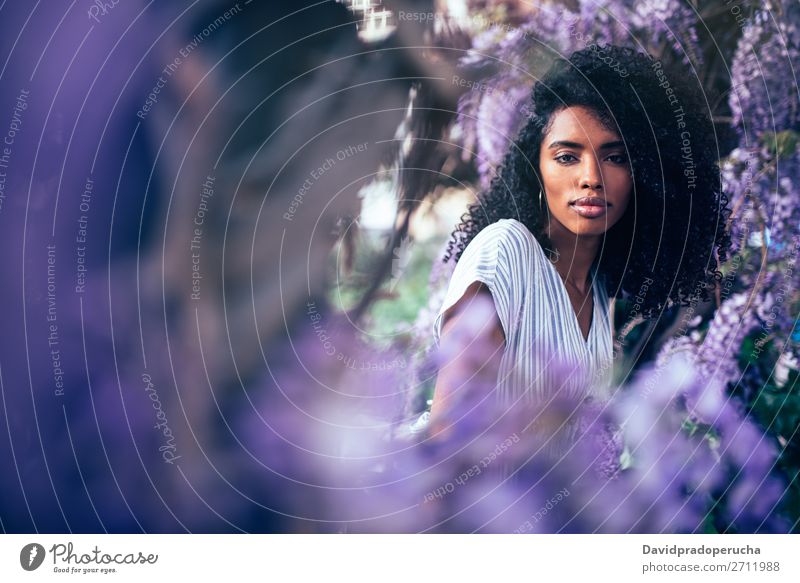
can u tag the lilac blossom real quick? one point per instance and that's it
(764, 96)
(761, 183)
(493, 471)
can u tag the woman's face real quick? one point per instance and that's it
(586, 173)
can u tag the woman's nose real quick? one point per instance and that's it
(591, 177)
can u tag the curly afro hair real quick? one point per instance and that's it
(672, 238)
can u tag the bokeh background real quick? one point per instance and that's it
(224, 227)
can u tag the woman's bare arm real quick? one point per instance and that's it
(471, 343)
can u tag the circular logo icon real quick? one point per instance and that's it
(31, 556)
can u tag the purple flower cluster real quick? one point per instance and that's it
(762, 185)
(661, 456)
(719, 351)
(764, 96)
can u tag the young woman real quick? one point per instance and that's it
(611, 189)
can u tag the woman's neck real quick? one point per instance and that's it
(576, 253)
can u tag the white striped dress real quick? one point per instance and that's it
(539, 322)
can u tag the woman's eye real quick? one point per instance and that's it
(565, 158)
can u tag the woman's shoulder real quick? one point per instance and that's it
(512, 237)
(507, 230)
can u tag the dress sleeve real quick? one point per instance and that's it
(483, 260)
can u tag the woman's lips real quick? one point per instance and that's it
(590, 207)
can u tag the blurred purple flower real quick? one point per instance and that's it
(764, 98)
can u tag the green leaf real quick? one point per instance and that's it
(782, 144)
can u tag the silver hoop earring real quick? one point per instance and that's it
(540, 198)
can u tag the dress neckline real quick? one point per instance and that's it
(576, 325)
